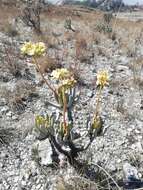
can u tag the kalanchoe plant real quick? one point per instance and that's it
(102, 80)
(60, 128)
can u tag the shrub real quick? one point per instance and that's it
(107, 17)
(31, 15)
(137, 67)
(11, 60)
(81, 49)
(17, 98)
(105, 25)
(101, 27)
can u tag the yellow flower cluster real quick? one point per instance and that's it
(41, 121)
(61, 74)
(102, 78)
(33, 49)
(97, 123)
(64, 77)
(68, 83)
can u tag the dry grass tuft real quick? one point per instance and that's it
(11, 62)
(128, 47)
(137, 69)
(6, 135)
(77, 73)
(17, 97)
(78, 182)
(75, 183)
(81, 49)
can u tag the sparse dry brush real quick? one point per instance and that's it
(128, 47)
(18, 97)
(30, 15)
(47, 64)
(6, 135)
(49, 39)
(105, 26)
(8, 3)
(77, 73)
(107, 17)
(137, 68)
(11, 59)
(81, 48)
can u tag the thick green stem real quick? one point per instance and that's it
(98, 103)
(64, 111)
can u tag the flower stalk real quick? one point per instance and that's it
(64, 112)
(102, 81)
(98, 103)
(43, 77)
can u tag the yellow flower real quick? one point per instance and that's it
(61, 74)
(32, 49)
(97, 123)
(41, 121)
(102, 78)
(68, 83)
(28, 48)
(40, 49)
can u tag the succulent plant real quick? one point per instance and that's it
(59, 126)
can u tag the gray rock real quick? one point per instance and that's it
(9, 114)
(130, 171)
(137, 146)
(45, 152)
(14, 117)
(119, 143)
(38, 186)
(112, 167)
(121, 68)
(89, 93)
(4, 109)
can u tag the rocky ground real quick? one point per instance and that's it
(134, 16)
(24, 160)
